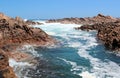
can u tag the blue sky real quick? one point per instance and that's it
(59, 8)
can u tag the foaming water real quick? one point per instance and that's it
(77, 56)
(14, 63)
(19, 67)
(29, 49)
(86, 75)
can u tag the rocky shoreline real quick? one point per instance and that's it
(107, 32)
(108, 28)
(14, 33)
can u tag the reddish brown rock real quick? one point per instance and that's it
(5, 70)
(15, 33)
(19, 56)
(21, 34)
(17, 20)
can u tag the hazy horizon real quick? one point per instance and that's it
(54, 9)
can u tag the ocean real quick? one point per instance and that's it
(77, 55)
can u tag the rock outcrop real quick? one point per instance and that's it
(21, 34)
(108, 33)
(14, 32)
(18, 20)
(88, 20)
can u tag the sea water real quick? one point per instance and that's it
(78, 55)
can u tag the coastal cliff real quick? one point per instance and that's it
(15, 32)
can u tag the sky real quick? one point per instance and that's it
(49, 9)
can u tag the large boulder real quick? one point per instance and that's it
(18, 34)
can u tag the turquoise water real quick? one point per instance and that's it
(78, 55)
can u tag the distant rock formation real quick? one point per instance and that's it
(88, 20)
(29, 22)
(108, 28)
(18, 20)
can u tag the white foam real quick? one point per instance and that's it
(19, 67)
(74, 65)
(25, 20)
(29, 49)
(86, 75)
(14, 63)
(57, 28)
(51, 33)
(74, 44)
(100, 69)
